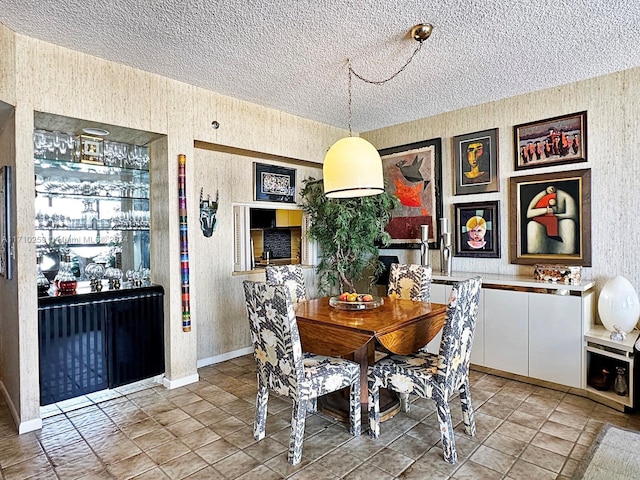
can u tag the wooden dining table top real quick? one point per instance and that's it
(402, 326)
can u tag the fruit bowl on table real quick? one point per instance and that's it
(375, 302)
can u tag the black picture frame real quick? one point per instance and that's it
(413, 173)
(481, 149)
(273, 183)
(6, 267)
(544, 232)
(553, 141)
(477, 229)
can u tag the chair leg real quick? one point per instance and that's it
(405, 405)
(355, 425)
(446, 431)
(298, 417)
(467, 409)
(260, 419)
(374, 410)
(312, 406)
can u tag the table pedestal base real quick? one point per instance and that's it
(336, 405)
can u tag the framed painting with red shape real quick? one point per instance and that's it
(413, 173)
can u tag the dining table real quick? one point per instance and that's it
(399, 325)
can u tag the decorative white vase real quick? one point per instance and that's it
(619, 305)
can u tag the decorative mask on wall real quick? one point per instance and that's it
(208, 210)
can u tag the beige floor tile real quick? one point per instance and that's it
(131, 467)
(493, 459)
(182, 467)
(552, 443)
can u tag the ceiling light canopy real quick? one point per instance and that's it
(352, 166)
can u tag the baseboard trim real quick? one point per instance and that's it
(180, 382)
(23, 427)
(224, 357)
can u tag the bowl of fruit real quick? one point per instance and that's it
(355, 301)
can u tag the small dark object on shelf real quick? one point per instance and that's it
(601, 380)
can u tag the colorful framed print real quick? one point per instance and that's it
(555, 141)
(477, 229)
(550, 217)
(413, 173)
(475, 157)
(274, 184)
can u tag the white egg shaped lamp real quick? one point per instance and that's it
(618, 305)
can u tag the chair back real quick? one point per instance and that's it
(457, 334)
(409, 281)
(274, 334)
(291, 276)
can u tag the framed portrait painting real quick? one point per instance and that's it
(475, 157)
(477, 229)
(413, 173)
(554, 141)
(273, 183)
(550, 218)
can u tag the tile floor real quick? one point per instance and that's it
(204, 431)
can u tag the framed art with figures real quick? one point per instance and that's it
(554, 141)
(550, 218)
(413, 173)
(274, 184)
(477, 229)
(476, 162)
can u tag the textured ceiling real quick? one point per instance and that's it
(291, 55)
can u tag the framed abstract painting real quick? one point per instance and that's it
(274, 184)
(413, 173)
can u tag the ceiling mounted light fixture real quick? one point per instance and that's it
(352, 166)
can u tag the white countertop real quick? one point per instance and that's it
(511, 280)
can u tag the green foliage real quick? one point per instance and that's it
(348, 231)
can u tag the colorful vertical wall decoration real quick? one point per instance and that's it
(184, 242)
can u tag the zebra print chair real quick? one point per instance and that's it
(285, 369)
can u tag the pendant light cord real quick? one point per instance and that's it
(375, 82)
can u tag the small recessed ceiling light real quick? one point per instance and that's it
(100, 132)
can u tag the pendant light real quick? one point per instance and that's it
(352, 166)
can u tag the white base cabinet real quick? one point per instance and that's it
(527, 327)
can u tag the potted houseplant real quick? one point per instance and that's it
(348, 232)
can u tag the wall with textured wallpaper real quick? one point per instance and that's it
(612, 103)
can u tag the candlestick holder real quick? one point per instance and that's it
(424, 245)
(445, 253)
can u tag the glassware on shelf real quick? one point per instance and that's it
(620, 383)
(42, 281)
(65, 280)
(89, 215)
(114, 277)
(95, 272)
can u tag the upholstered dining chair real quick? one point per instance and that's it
(409, 281)
(433, 376)
(291, 276)
(285, 369)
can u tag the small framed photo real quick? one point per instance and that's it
(476, 162)
(477, 229)
(550, 218)
(274, 184)
(554, 141)
(91, 150)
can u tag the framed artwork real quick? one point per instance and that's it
(413, 173)
(554, 141)
(6, 269)
(477, 229)
(273, 183)
(550, 218)
(475, 157)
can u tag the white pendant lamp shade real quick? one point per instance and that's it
(352, 168)
(618, 305)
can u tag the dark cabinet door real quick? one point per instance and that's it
(73, 356)
(136, 338)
